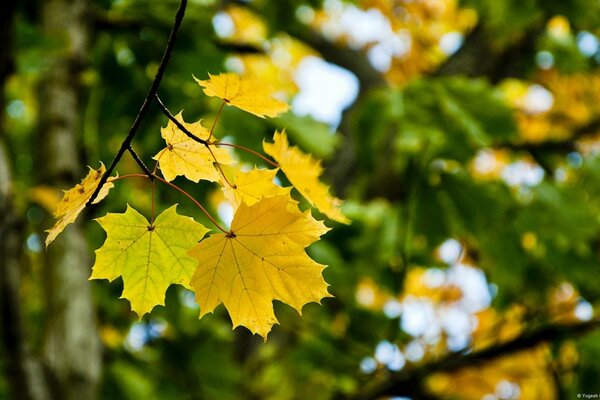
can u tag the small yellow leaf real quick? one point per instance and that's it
(74, 201)
(48, 197)
(250, 187)
(149, 257)
(304, 171)
(247, 94)
(184, 156)
(261, 260)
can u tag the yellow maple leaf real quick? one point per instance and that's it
(249, 187)
(304, 171)
(74, 200)
(250, 95)
(149, 258)
(184, 156)
(261, 260)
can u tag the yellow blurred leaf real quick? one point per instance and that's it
(249, 28)
(416, 285)
(526, 373)
(247, 94)
(46, 196)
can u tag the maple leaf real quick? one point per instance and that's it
(250, 95)
(250, 187)
(304, 171)
(149, 258)
(185, 156)
(261, 260)
(75, 199)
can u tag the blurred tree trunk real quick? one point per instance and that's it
(25, 376)
(72, 353)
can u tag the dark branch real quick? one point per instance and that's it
(479, 56)
(239, 48)
(183, 129)
(404, 382)
(147, 101)
(139, 162)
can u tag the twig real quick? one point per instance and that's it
(182, 128)
(139, 161)
(147, 101)
(214, 124)
(189, 134)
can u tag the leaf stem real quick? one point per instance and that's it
(153, 201)
(180, 190)
(248, 150)
(126, 176)
(212, 128)
(147, 101)
(219, 167)
(189, 196)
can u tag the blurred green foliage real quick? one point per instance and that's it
(410, 189)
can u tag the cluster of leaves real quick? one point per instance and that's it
(431, 160)
(260, 258)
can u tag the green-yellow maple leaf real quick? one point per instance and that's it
(247, 94)
(304, 171)
(149, 258)
(185, 156)
(262, 259)
(249, 187)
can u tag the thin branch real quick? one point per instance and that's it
(189, 196)
(195, 138)
(189, 134)
(480, 57)
(405, 381)
(248, 150)
(139, 161)
(147, 101)
(181, 127)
